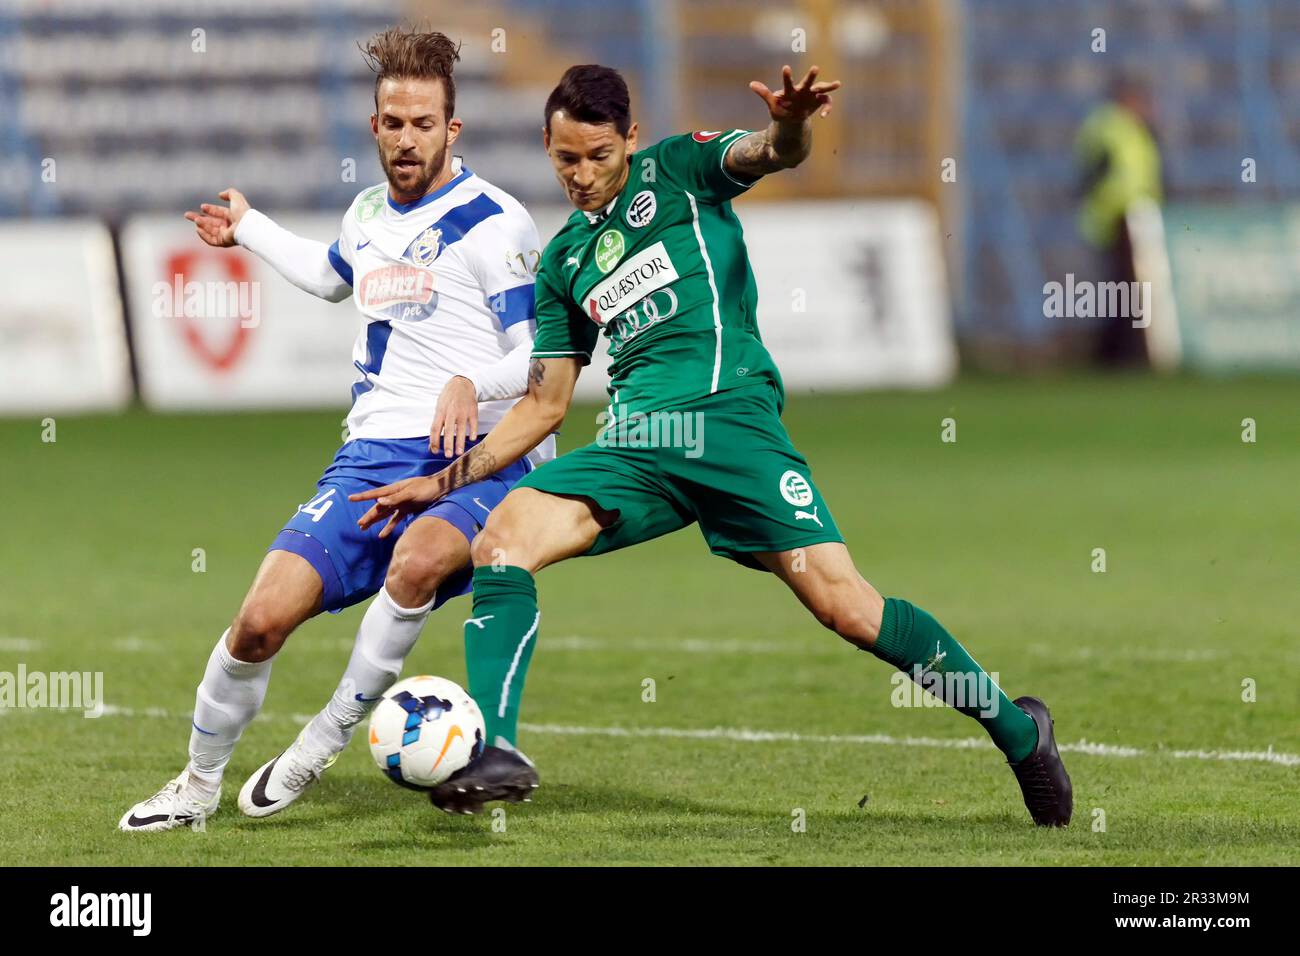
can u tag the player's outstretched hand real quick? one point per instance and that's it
(397, 500)
(216, 224)
(794, 104)
(455, 419)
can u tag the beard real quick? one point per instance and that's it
(414, 182)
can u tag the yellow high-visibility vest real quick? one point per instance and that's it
(1116, 140)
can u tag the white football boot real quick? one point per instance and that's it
(171, 807)
(281, 780)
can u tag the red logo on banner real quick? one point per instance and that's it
(179, 267)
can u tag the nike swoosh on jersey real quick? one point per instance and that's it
(362, 245)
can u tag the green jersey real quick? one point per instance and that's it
(662, 273)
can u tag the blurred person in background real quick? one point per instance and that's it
(1119, 163)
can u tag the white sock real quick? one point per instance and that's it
(386, 636)
(228, 699)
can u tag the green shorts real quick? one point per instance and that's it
(724, 461)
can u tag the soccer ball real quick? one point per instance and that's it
(424, 730)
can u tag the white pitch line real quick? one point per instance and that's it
(19, 644)
(135, 645)
(833, 646)
(948, 743)
(1148, 655)
(745, 735)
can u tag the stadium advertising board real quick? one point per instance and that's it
(62, 342)
(220, 329)
(1232, 288)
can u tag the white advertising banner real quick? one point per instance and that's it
(62, 340)
(852, 294)
(218, 328)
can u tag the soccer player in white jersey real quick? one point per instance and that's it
(440, 265)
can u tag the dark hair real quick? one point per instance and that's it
(592, 94)
(413, 53)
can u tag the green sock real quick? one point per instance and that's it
(499, 642)
(918, 645)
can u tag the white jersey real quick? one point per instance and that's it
(439, 283)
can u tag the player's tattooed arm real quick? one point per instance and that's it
(787, 141)
(475, 465)
(524, 427)
(756, 154)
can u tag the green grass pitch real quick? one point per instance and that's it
(760, 718)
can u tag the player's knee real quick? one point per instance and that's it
(414, 575)
(258, 633)
(853, 613)
(490, 546)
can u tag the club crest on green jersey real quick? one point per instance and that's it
(641, 209)
(370, 204)
(609, 249)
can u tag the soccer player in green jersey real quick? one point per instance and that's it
(654, 261)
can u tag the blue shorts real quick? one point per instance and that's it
(352, 563)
